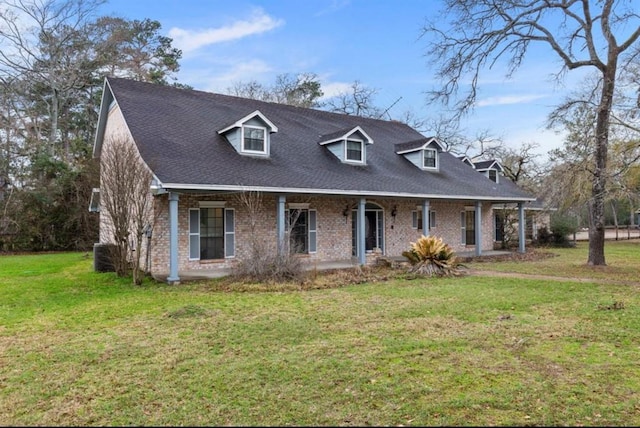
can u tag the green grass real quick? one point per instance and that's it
(82, 348)
(622, 257)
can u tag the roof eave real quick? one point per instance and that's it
(105, 103)
(177, 187)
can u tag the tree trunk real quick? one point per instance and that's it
(615, 217)
(598, 189)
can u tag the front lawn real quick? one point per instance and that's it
(81, 348)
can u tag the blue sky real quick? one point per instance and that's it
(373, 41)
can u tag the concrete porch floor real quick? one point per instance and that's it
(196, 274)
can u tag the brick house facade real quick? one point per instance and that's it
(336, 187)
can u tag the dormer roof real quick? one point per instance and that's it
(488, 164)
(256, 114)
(466, 159)
(342, 135)
(420, 144)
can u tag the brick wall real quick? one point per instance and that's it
(334, 230)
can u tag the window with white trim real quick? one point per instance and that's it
(493, 175)
(354, 150)
(468, 226)
(429, 158)
(211, 233)
(303, 231)
(416, 217)
(254, 139)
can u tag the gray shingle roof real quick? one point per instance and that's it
(176, 131)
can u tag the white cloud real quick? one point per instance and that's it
(334, 88)
(238, 72)
(191, 40)
(508, 99)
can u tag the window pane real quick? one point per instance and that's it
(194, 221)
(194, 248)
(354, 150)
(211, 233)
(429, 158)
(254, 139)
(298, 239)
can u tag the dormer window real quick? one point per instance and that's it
(348, 145)
(354, 151)
(493, 175)
(250, 135)
(430, 159)
(423, 153)
(253, 139)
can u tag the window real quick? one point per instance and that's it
(493, 175)
(468, 226)
(429, 158)
(354, 151)
(211, 233)
(499, 225)
(417, 219)
(302, 238)
(254, 139)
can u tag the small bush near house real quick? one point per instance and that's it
(545, 237)
(431, 256)
(561, 228)
(266, 267)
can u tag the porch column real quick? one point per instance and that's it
(521, 227)
(478, 227)
(362, 248)
(280, 227)
(173, 238)
(425, 217)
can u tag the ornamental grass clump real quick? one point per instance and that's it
(431, 256)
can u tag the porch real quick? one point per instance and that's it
(196, 275)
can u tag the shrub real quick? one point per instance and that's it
(561, 228)
(431, 256)
(545, 237)
(268, 267)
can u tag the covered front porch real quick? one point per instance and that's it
(199, 274)
(334, 228)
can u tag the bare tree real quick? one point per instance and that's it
(126, 203)
(475, 34)
(358, 101)
(301, 90)
(263, 263)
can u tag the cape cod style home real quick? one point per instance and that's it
(334, 187)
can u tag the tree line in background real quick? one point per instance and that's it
(53, 59)
(55, 55)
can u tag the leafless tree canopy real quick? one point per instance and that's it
(126, 203)
(471, 36)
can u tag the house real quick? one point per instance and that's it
(505, 215)
(331, 186)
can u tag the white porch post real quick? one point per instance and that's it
(521, 227)
(478, 227)
(362, 248)
(425, 217)
(173, 238)
(280, 227)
